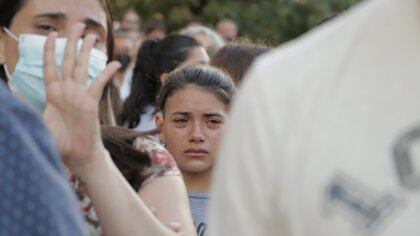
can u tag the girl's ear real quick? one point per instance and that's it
(159, 126)
(163, 78)
(159, 121)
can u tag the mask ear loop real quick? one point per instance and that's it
(9, 79)
(6, 71)
(7, 31)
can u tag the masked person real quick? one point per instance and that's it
(28, 78)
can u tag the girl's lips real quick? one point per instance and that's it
(196, 152)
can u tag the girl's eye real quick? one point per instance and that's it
(47, 28)
(182, 122)
(214, 123)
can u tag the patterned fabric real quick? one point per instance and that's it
(35, 196)
(162, 164)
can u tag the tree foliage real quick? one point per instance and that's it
(275, 21)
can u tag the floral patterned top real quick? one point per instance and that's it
(162, 164)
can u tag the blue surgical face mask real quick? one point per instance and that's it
(27, 79)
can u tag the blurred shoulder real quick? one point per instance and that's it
(326, 47)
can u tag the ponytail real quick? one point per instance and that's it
(144, 87)
(154, 59)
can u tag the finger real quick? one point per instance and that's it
(71, 49)
(82, 64)
(174, 226)
(50, 69)
(154, 211)
(99, 83)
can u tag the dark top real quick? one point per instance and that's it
(35, 195)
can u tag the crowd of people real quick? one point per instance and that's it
(122, 128)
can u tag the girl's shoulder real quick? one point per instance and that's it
(162, 162)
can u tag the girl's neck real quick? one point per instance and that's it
(198, 182)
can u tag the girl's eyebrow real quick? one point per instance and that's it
(61, 16)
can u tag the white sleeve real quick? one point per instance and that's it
(243, 187)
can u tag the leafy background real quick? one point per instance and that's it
(272, 21)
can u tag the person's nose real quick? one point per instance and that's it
(197, 133)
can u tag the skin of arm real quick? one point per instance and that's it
(118, 206)
(167, 195)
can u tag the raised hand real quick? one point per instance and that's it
(72, 107)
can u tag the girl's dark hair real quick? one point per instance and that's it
(153, 25)
(154, 59)
(8, 10)
(207, 78)
(131, 162)
(236, 58)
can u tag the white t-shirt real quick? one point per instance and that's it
(126, 85)
(147, 120)
(324, 138)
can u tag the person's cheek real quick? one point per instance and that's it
(11, 54)
(217, 138)
(172, 144)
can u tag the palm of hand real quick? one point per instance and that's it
(72, 115)
(72, 107)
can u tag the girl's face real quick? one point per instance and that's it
(43, 16)
(193, 122)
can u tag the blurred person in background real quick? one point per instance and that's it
(228, 29)
(236, 58)
(207, 37)
(194, 22)
(324, 134)
(155, 29)
(130, 20)
(124, 53)
(138, 38)
(154, 61)
(193, 105)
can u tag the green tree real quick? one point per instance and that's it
(275, 21)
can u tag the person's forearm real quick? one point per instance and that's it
(119, 208)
